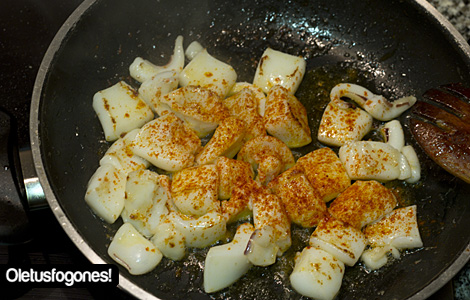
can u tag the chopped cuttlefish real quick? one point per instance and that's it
(167, 143)
(193, 49)
(147, 194)
(194, 190)
(169, 240)
(377, 257)
(286, 118)
(232, 173)
(236, 187)
(268, 156)
(143, 70)
(121, 156)
(410, 168)
(302, 203)
(227, 151)
(199, 232)
(278, 68)
(410, 154)
(208, 72)
(120, 110)
(376, 105)
(226, 263)
(106, 188)
(226, 141)
(243, 106)
(257, 93)
(340, 239)
(271, 237)
(396, 231)
(371, 160)
(201, 109)
(363, 203)
(392, 133)
(238, 206)
(325, 172)
(105, 192)
(317, 274)
(133, 251)
(161, 84)
(342, 123)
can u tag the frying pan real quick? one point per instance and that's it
(395, 48)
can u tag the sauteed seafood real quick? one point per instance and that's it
(194, 151)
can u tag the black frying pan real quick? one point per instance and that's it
(395, 48)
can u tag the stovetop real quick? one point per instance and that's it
(26, 29)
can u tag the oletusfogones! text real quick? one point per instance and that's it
(60, 276)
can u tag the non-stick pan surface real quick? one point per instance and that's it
(395, 48)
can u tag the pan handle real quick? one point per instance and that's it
(14, 216)
(34, 192)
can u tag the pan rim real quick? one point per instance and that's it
(124, 283)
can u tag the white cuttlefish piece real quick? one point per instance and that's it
(133, 251)
(120, 155)
(193, 49)
(161, 84)
(235, 188)
(194, 190)
(147, 194)
(226, 141)
(376, 105)
(106, 188)
(120, 110)
(325, 172)
(286, 118)
(317, 274)
(167, 143)
(169, 240)
(272, 236)
(226, 263)
(412, 158)
(371, 160)
(340, 239)
(268, 156)
(232, 173)
(396, 231)
(199, 232)
(208, 72)
(302, 203)
(257, 92)
(243, 106)
(106, 192)
(238, 206)
(341, 123)
(392, 133)
(200, 108)
(377, 257)
(143, 70)
(363, 203)
(278, 68)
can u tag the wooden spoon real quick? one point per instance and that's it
(441, 125)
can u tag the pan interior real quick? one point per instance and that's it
(390, 47)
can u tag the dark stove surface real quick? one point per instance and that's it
(26, 29)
